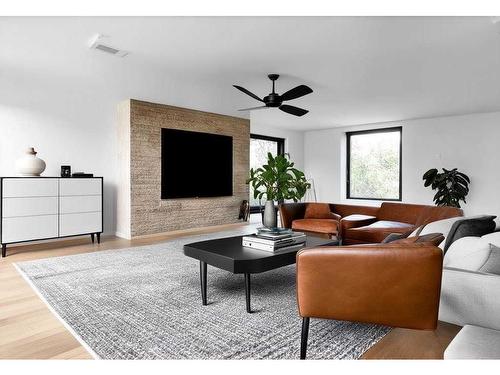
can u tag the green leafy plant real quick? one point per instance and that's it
(278, 180)
(452, 186)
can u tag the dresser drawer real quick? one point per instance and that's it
(29, 187)
(16, 229)
(80, 203)
(80, 186)
(83, 223)
(32, 206)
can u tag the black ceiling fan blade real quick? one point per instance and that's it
(252, 108)
(293, 110)
(242, 89)
(296, 92)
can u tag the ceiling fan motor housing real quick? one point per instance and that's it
(273, 100)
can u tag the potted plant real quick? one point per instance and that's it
(278, 180)
(452, 186)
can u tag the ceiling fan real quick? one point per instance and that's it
(275, 100)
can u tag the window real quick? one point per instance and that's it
(260, 145)
(374, 164)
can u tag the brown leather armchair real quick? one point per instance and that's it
(396, 284)
(293, 215)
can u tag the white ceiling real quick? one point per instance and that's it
(362, 69)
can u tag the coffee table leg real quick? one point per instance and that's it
(203, 280)
(247, 292)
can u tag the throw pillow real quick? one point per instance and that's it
(394, 237)
(492, 264)
(468, 253)
(440, 226)
(318, 211)
(431, 238)
(416, 231)
(399, 236)
(492, 238)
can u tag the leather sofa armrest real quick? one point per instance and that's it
(394, 285)
(336, 216)
(290, 212)
(355, 221)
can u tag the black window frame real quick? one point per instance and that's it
(281, 151)
(348, 161)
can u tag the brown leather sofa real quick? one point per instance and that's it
(400, 287)
(361, 224)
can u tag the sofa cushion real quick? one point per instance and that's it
(492, 238)
(385, 224)
(474, 342)
(318, 211)
(346, 209)
(492, 264)
(359, 217)
(467, 253)
(328, 226)
(440, 226)
(377, 231)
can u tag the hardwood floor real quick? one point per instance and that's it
(28, 330)
(412, 344)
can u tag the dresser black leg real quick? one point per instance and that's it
(4, 250)
(303, 338)
(247, 292)
(98, 237)
(203, 281)
(92, 237)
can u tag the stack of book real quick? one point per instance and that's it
(274, 240)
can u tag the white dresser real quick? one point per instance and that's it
(37, 208)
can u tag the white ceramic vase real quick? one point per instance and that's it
(29, 164)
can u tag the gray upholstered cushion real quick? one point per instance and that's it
(474, 343)
(492, 238)
(475, 226)
(468, 253)
(492, 264)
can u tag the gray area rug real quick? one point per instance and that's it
(144, 303)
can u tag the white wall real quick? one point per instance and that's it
(294, 140)
(469, 143)
(71, 120)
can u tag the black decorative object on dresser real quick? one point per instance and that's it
(40, 208)
(65, 170)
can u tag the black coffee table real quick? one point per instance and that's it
(229, 254)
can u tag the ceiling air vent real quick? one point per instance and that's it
(98, 43)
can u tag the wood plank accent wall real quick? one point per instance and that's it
(149, 214)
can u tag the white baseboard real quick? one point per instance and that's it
(200, 230)
(122, 235)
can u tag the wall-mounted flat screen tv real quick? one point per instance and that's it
(195, 164)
